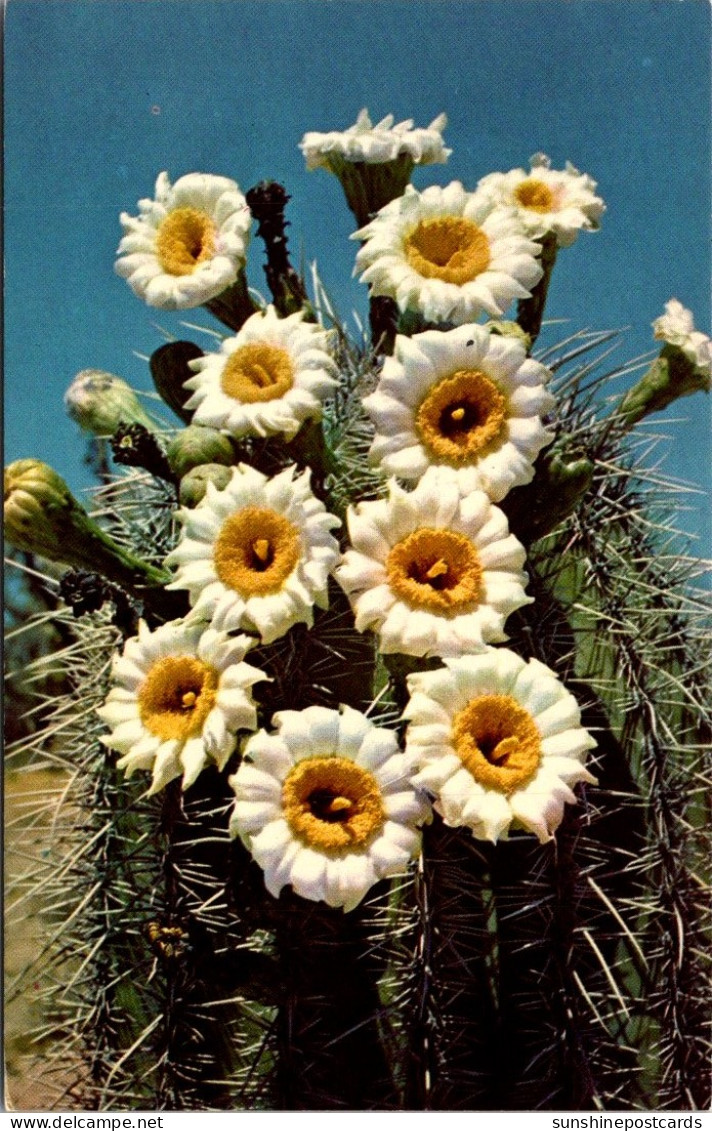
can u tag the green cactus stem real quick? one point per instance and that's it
(267, 201)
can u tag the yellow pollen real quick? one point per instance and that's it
(450, 248)
(256, 551)
(332, 805)
(462, 418)
(536, 196)
(177, 696)
(498, 742)
(256, 372)
(185, 239)
(437, 570)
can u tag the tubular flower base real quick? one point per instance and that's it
(188, 244)
(466, 399)
(499, 743)
(448, 255)
(267, 380)
(374, 163)
(256, 554)
(180, 696)
(561, 202)
(431, 573)
(326, 805)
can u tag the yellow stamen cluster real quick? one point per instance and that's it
(256, 372)
(256, 551)
(177, 696)
(332, 805)
(462, 417)
(451, 248)
(497, 741)
(535, 195)
(437, 570)
(184, 239)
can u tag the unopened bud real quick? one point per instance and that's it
(194, 485)
(100, 401)
(195, 445)
(42, 517)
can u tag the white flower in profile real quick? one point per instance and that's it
(562, 202)
(434, 574)
(499, 743)
(180, 694)
(188, 244)
(268, 379)
(466, 398)
(447, 254)
(326, 805)
(257, 554)
(376, 144)
(676, 327)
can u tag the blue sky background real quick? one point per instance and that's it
(101, 95)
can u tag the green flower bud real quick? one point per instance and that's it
(194, 485)
(509, 330)
(100, 401)
(553, 494)
(196, 445)
(170, 368)
(42, 517)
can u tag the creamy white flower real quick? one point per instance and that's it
(676, 326)
(558, 201)
(499, 743)
(326, 805)
(376, 144)
(466, 399)
(180, 694)
(186, 245)
(434, 574)
(257, 554)
(268, 379)
(448, 254)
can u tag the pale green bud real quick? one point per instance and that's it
(195, 445)
(100, 401)
(42, 517)
(194, 485)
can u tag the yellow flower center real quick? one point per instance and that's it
(535, 195)
(497, 741)
(184, 239)
(462, 417)
(257, 372)
(256, 551)
(451, 248)
(177, 696)
(332, 805)
(437, 570)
